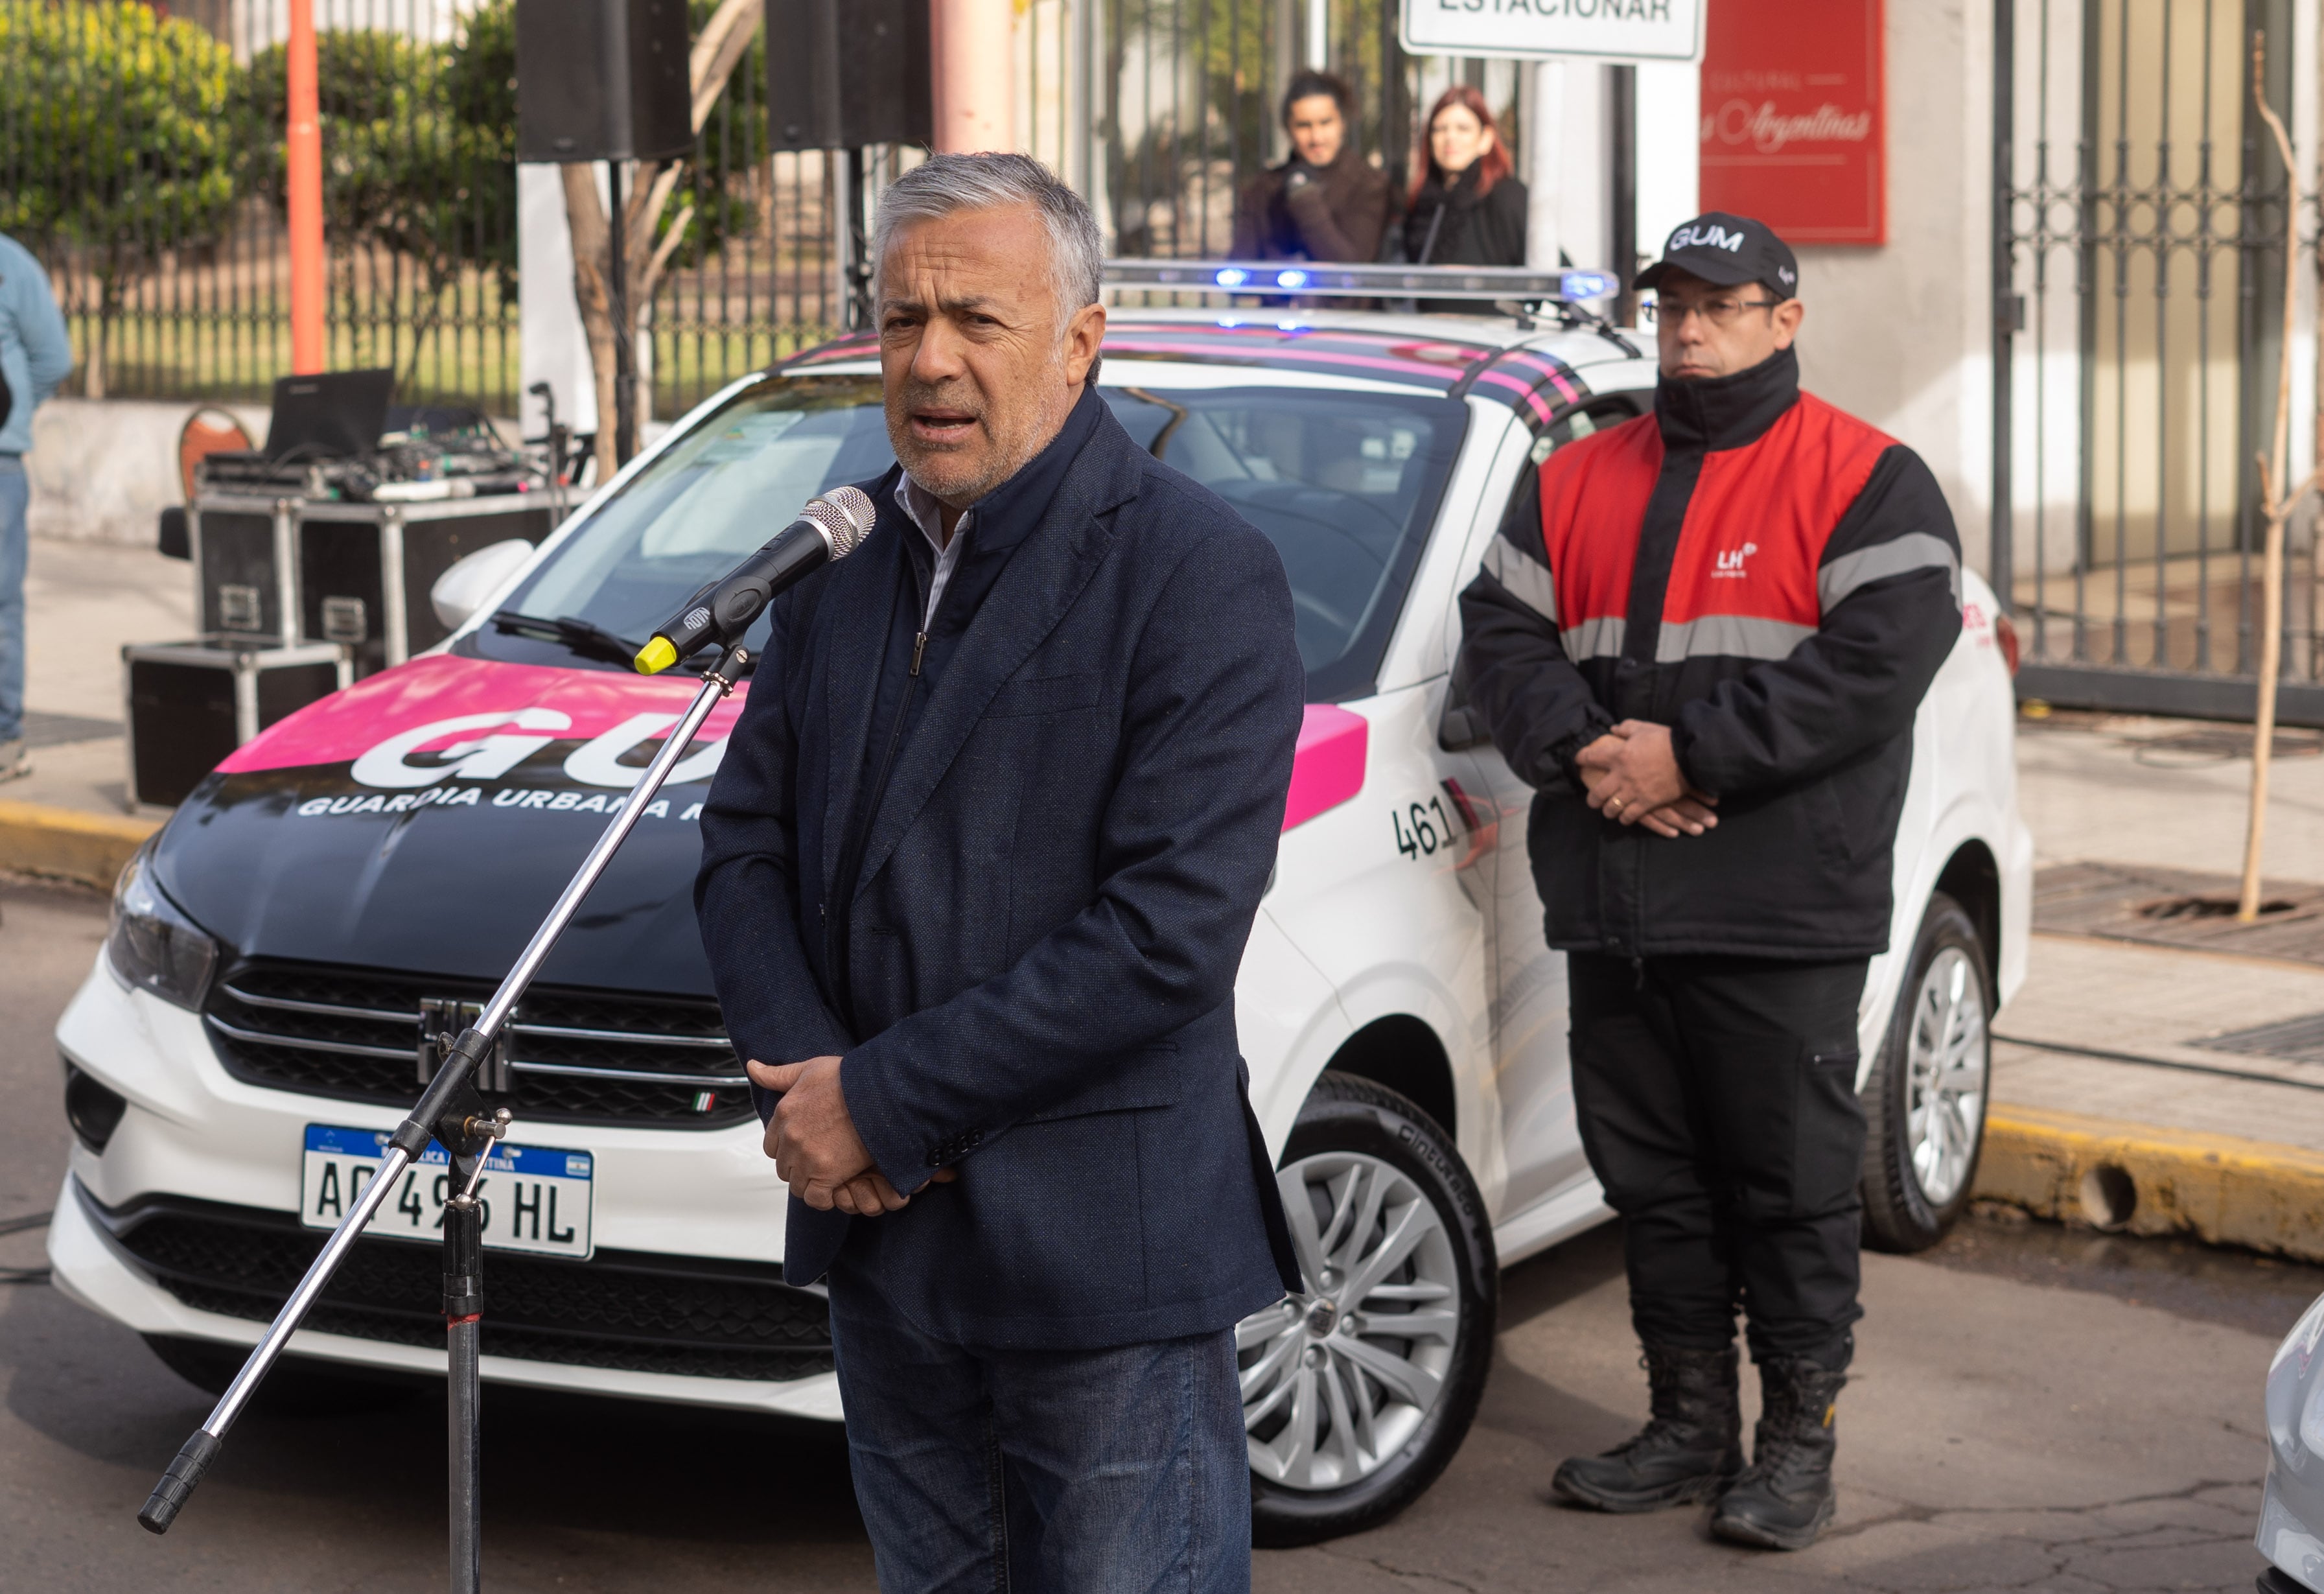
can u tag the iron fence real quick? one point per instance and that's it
(2138, 273)
(141, 157)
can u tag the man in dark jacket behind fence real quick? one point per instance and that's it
(1702, 637)
(1326, 202)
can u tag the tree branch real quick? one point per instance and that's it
(725, 39)
(650, 277)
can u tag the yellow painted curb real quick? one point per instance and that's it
(66, 844)
(2143, 1180)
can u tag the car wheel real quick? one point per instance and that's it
(1924, 1104)
(1357, 1393)
(295, 1385)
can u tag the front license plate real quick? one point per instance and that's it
(536, 1197)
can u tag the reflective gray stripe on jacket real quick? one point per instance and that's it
(1914, 551)
(1526, 579)
(1737, 636)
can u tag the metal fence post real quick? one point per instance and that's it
(2000, 561)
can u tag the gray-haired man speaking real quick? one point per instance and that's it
(977, 874)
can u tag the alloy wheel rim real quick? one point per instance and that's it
(1948, 1062)
(1336, 1381)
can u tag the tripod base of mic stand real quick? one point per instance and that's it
(450, 1112)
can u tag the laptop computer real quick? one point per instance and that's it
(334, 415)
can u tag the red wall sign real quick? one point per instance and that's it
(1793, 132)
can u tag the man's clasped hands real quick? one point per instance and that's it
(816, 1147)
(1631, 775)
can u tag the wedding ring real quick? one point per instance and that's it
(1615, 806)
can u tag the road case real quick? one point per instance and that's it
(245, 566)
(365, 569)
(189, 704)
(292, 570)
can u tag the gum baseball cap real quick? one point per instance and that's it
(1726, 251)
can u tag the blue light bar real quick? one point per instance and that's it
(1315, 280)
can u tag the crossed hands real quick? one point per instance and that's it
(816, 1150)
(1631, 775)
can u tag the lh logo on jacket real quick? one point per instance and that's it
(1731, 563)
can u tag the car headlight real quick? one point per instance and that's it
(150, 943)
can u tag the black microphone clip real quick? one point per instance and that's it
(830, 527)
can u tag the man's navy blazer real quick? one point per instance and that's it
(1042, 940)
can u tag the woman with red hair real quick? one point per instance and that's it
(1468, 208)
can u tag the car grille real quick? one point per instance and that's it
(628, 1310)
(576, 1057)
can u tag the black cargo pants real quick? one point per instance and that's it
(1717, 1099)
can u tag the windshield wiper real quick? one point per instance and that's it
(586, 637)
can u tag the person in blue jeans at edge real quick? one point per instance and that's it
(977, 873)
(34, 357)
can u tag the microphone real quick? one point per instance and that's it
(828, 528)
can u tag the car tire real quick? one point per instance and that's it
(295, 1386)
(1378, 1181)
(1925, 1103)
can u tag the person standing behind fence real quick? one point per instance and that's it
(34, 357)
(1468, 207)
(1326, 202)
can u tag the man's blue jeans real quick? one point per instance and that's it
(16, 494)
(1046, 1471)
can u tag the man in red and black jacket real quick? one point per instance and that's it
(1702, 637)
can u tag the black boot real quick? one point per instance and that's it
(1785, 1500)
(1690, 1448)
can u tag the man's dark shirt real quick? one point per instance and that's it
(910, 669)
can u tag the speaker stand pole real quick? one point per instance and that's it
(625, 350)
(855, 248)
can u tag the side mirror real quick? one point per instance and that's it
(174, 538)
(461, 590)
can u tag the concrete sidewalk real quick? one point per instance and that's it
(84, 601)
(2108, 1104)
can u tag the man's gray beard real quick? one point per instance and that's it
(971, 493)
(1000, 472)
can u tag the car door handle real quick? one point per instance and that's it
(1461, 727)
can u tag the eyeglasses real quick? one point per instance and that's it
(1719, 312)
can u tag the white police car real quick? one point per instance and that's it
(324, 903)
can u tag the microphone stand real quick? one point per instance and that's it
(451, 1113)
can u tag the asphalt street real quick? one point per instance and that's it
(2035, 1409)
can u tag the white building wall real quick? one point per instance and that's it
(1669, 150)
(1901, 335)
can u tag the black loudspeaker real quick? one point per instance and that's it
(845, 73)
(602, 80)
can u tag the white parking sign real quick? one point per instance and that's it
(1624, 30)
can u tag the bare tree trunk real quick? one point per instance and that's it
(2278, 499)
(584, 215)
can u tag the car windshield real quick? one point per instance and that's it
(1343, 484)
